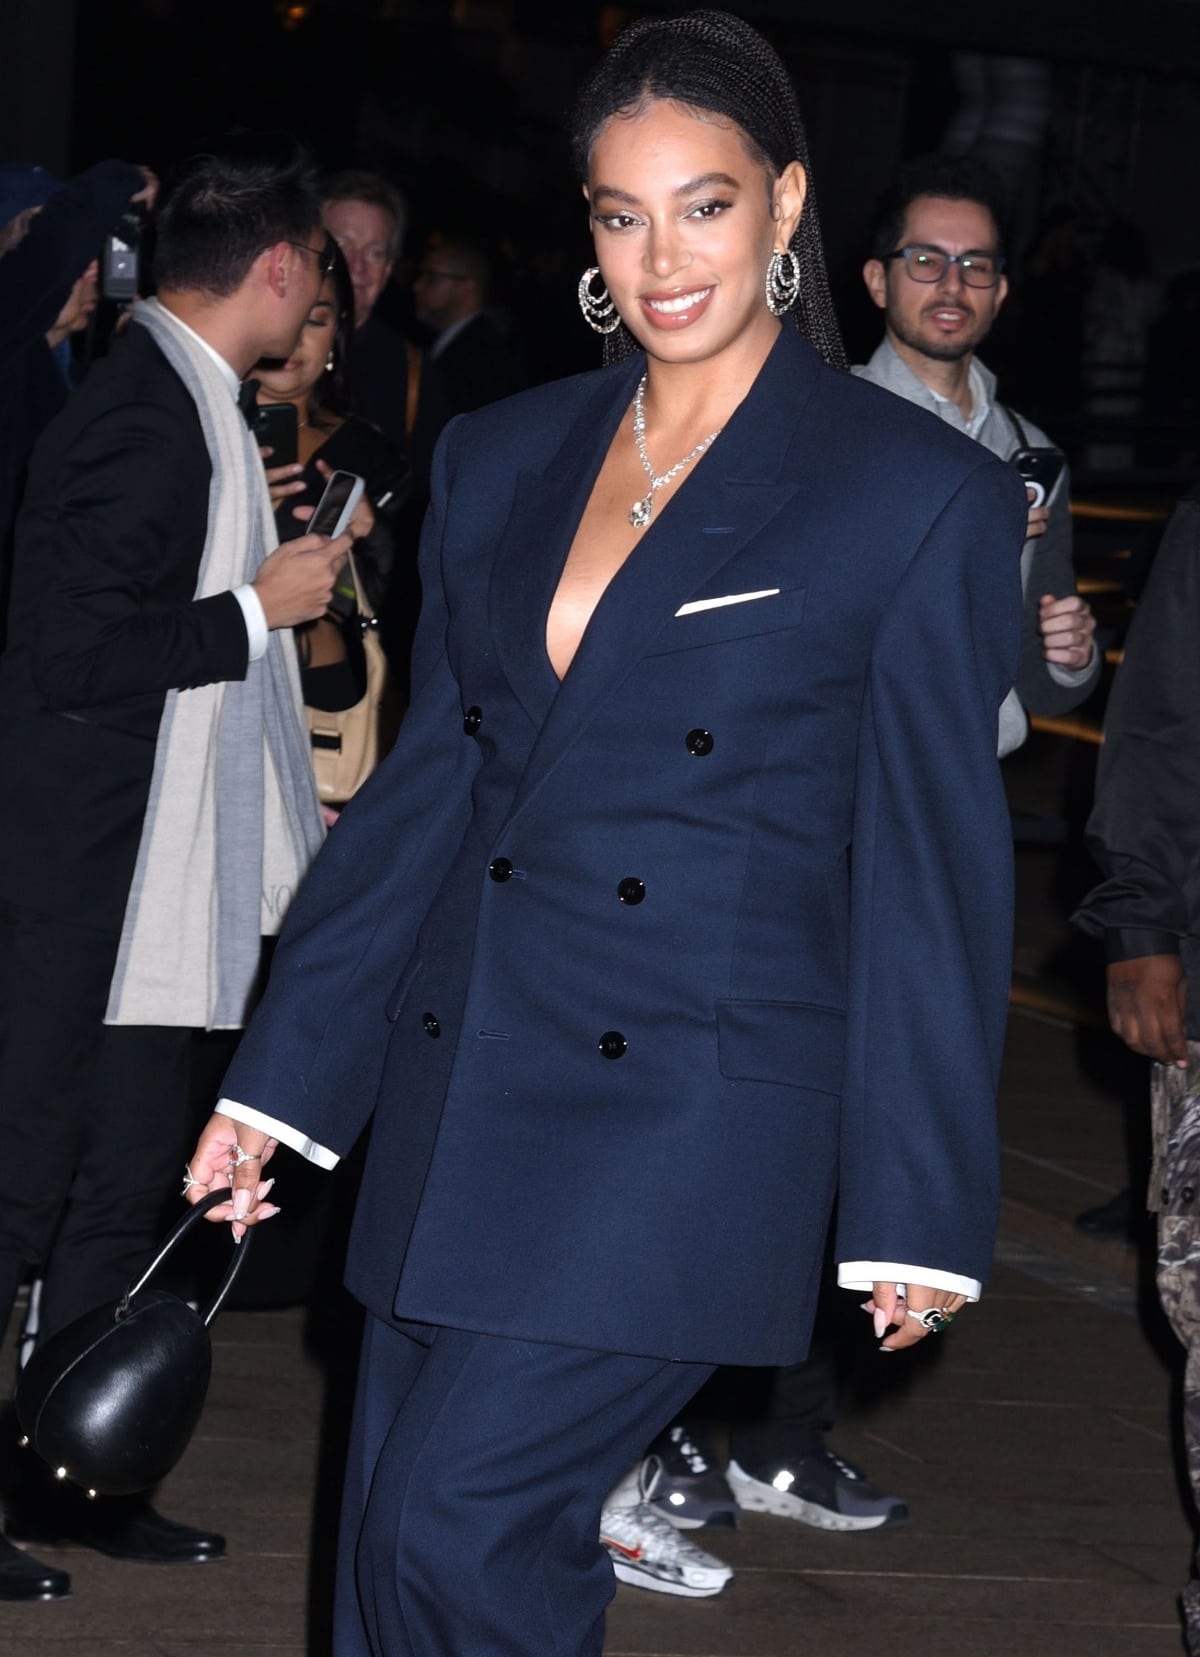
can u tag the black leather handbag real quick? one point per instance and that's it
(111, 1401)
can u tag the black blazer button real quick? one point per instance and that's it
(500, 870)
(699, 742)
(631, 890)
(613, 1044)
(432, 1027)
(472, 720)
(1188, 1194)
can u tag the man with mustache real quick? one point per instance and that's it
(936, 271)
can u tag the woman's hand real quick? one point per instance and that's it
(281, 480)
(230, 1156)
(888, 1306)
(363, 521)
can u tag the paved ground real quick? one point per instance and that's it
(1033, 1445)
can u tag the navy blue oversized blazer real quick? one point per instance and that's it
(622, 1124)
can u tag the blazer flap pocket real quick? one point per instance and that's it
(743, 618)
(790, 1042)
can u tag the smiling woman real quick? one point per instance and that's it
(693, 832)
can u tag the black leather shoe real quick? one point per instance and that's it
(22, 1578)
(123, 1527)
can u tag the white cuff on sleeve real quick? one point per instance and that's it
(286, 1135)
(861, 1275)
(256, 622)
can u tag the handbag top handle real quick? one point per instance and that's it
(191, 1218)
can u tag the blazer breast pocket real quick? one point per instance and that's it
(793, 1043)
(743, 618)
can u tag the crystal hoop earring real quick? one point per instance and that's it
(599, 312)
(783, 282)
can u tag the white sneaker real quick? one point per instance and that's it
(647, 1552)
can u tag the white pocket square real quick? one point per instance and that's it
(698, 604)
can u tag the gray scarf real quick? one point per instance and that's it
(233, 819)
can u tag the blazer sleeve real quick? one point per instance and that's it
(103, 632)
(931, 897)
(312, 1054)
(1144, 830)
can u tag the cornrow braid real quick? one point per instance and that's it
(716, 62)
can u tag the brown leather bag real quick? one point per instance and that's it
(347, 746)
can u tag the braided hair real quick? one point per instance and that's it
(715, 62)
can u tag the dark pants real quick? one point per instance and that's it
(94, 1121)
(782, 1413)
(476, 1474)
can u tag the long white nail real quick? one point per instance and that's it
(241, 1203)
(880, 1321)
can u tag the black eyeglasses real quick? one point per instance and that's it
(325, 256)
(930, 264)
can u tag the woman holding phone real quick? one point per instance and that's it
(326, 434)
(683, 900)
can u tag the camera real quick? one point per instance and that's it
(120, 257)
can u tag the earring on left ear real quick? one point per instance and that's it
(329, 361)
(783, 281)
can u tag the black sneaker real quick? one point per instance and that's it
(818, 1489)
(681, 1478)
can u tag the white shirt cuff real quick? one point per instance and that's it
(1069, 677)
(862, 1275)
(286, 1135)
(257, 634)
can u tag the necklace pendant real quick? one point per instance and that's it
(640, 512)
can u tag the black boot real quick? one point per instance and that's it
(22, 1578)
(123, 1527)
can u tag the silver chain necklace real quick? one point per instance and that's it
(642, 511)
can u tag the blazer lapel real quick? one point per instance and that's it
(546, 510)
(732, 494)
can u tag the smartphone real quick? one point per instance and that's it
(120, 256)
(276, 427)
(336, 506)
(1041, 469)
(119, 270)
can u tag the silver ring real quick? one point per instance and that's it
(189, 1179)
(934, 1319)
(240, 1156)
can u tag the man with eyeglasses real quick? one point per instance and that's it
(937, 272)
(394, 385)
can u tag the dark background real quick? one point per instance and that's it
(463, 101)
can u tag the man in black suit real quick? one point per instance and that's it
(394, 385)
(476, 360)
(104, 624)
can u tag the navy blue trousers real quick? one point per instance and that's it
(477, 1470)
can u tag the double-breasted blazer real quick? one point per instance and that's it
(633, 974)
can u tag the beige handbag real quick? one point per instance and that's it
(347, 746)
